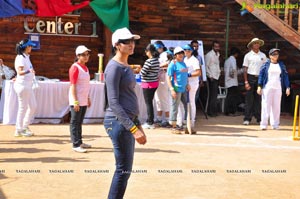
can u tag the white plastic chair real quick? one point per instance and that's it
(222, 96)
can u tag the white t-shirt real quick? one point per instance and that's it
(274, 80)
(213, 64)
(254, 62)
(193, 64)
(163, 57)
(23, 60)
(230, 67)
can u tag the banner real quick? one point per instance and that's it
(113, 13)
(10, 8)
(52, 8)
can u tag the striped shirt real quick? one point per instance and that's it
(150, 70)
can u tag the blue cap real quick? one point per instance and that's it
(170, 52)
(187, 47)
(157, 46)
(28, 43)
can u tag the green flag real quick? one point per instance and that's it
(113, 13)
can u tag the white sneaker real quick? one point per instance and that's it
(79, 149)
(148, 126)
(85, 146)
(246, 122)
(28, 131)
(21, 133)
(275, 127)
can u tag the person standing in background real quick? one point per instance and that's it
(23, 87)
(195, 46)
(161, 96)
(213, 73)
(194, 72)
(6, 72)
(178, 84)
(79, 97)
(150, 82)
(231, 82)
(121, 116)
(272, 80)
(253, 61)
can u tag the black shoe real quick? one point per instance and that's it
(212, 115)
(180, 128)
(165, 124)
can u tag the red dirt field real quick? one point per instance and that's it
(225, 160)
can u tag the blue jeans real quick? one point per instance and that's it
(123, 143)
(76, 125)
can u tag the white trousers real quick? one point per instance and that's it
(192, 95)
(270, 107)
(27, 105)
(162, 96)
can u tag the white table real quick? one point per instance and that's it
(53, 103)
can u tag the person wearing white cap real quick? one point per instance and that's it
(121, 116)
(178, 84)
(253, 61)
(23, 87)
(79, 96)
(272, 80)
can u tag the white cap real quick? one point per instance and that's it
(177, 50)
(81, 49)
(123, 33)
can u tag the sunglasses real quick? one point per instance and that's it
(126, 41)
(275, 54)
(180, 53)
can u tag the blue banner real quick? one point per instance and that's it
(10, 8)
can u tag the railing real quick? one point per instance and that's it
(286, 10)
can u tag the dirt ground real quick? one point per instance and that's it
(225, 160)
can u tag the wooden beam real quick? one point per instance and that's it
(275, 23)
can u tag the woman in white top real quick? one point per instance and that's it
(23, 88)
(79, 97)
(193, 74)
(272, 80)
(162, 96)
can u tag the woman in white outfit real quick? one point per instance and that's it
(193, 74)
(23, 88)
(161, 96)
(272, 80)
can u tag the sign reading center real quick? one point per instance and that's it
(57, 27)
